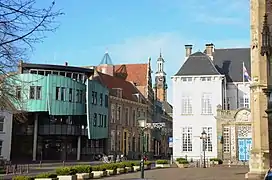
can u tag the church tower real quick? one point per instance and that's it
(259, 158)
(160, 81)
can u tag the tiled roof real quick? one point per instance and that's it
(198, 64)
(128, 89)
(136, 73)
(230, 62)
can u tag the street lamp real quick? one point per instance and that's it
(142, 126)
(204, 138)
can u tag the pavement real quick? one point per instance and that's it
(35, 169)
(212, 173)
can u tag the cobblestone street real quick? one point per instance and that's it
(215, 173)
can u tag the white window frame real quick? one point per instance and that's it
(113, 139)
(208, 141)
(113, 113)
(206, 103)
(226, 139)
(186, 105)
(2, 123)
(187, 139)
(247, 103)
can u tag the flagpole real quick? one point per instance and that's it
(244, 83)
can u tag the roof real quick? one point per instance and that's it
(230, 62)
(168, 108)
(111, 82)
(106, 59)
(56, 67)
(198, 64)
(136, 73)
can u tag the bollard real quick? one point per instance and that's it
(7, 169)
(229, 163)
(20, 169)
(27, 168)
(13, 170)
(40, 164)
(63, 163)
(171, 159)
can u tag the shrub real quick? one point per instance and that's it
(180, 159)
(83, 169)
(66, 171)
(120, 165)
(183, 161)
(128, 163)
(111, 166)
(136, 163)
(148, 163)
(46, 175)
(162, 161)
(22, 178)
(101, 167)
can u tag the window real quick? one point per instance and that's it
(206, 103)
(77, 95)
(2, 121)
(38, 92)
(101, 99)
(35, 92)
(208, 78)
(226, 139)
(62, 94)
(80, 96)
(70, 94)
(92, 97)
(244, 102)
(126, 116)
(100, 124)
(118, 114)
(18, 92)
(186, 105)
(113, 139)
(1, 144)
(187, 135)
(134, 118)
(207, 144)
(202, 79)
(57, 93)
(105, 121)
(95, 120)
(95, 97)
(32, 92)
(113, 113)
(106, 100)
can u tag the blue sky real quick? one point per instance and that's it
(132, 31)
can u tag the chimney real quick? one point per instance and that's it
(188, 50)
(66, 64)
(210, 50)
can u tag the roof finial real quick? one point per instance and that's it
(160, 53)
(106, 51)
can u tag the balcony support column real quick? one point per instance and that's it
(35, 137)
(78, 147)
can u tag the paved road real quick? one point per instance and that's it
(214, 173)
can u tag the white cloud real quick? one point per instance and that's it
(138, 49)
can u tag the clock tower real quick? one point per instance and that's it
(160, 87)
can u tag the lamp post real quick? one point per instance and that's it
(142, 126)
(204, 138)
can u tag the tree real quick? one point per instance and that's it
(22, 24)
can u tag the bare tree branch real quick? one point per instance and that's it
(22, 24)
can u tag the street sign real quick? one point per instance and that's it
(170, 142)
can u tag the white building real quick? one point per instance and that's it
(205, 80)
(5, 134)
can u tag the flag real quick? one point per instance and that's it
(245, 74)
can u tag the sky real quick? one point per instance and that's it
(132, 31)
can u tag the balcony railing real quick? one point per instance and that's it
(62, 130)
